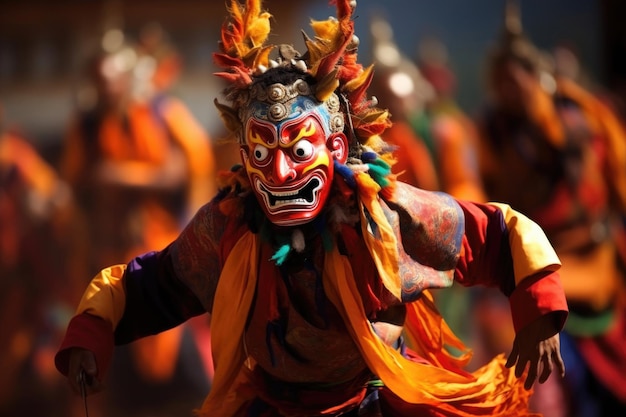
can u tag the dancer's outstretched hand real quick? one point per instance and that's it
(538, 347)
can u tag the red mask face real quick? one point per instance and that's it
(290, 164)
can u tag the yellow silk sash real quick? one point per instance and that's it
(233, 300)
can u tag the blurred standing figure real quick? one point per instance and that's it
(139, 161)
(437, 141)
(36, 287)
(398, 83)
(448, 131)
(558, 153)
(141, 165)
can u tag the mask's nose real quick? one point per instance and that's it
(283, 170)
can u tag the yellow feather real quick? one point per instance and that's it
(326, 86)
(256, 56)
(358, 81)
(253, 9)
(376, 143)
(259, 29)
(317, 50)
(375, 115)
(325, 29)
(236, 10)
(327, 40)
(252, 28)
(262, 56)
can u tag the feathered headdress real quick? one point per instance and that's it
(328, 72)
(330, 63)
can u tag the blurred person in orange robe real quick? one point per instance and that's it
(154, 41)
(37, 288)
(450, 133)
(438, 142)
(558, 153)
(397, 82)
(141, 165)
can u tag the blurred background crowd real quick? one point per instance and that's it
(109, 143)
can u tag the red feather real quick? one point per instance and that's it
(226, 61)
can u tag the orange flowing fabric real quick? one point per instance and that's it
(233, 300)
(492, 390)
(429, 335)
(382, 243)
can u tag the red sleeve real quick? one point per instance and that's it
(486, 259)
(485, 253)
(537, 296)
(88, 332)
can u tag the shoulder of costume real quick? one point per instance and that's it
(427, 221)
(423, 204)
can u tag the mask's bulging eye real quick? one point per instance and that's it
(260, 153)
(303, 150)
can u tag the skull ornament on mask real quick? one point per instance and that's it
(290, 140)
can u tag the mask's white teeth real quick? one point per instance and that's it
(279, 203)
(285, 193)
(303, 197)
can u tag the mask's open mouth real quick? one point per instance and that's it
(304, 196)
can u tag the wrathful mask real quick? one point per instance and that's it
(290, 143)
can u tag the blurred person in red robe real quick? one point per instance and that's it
(558, 153)
(38, 289)
(141, 165)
